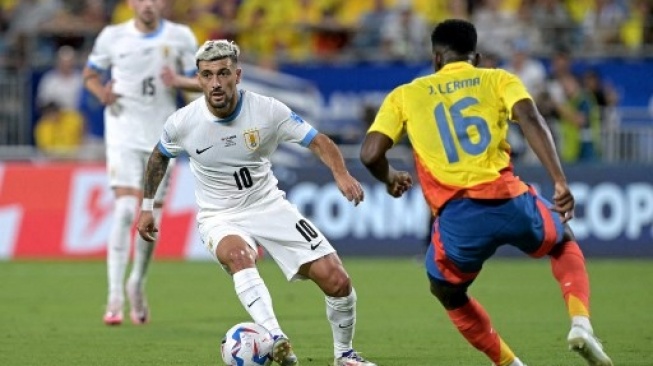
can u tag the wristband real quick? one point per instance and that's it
(148, 204)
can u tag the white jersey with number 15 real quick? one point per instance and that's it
(136, 61)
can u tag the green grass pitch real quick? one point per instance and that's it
(50, 314)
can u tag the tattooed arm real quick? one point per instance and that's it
(156, 169)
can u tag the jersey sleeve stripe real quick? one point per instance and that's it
(95, 67)
(163, 151)
(309, 137)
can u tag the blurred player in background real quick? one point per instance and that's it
(143, 56)
(457, 121)
(229, 135)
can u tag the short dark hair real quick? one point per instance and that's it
(456, 34)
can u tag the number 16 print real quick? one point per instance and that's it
(461, 125)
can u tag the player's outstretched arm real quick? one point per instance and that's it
(539, 138)
(373, 155)
(328, 152)
(156, 169)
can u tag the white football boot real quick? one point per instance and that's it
(583, 342)
(282, 352)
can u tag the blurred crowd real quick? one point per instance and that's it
(307, 30)
(578, 107)
(514, 34)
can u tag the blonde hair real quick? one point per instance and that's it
(217, 49)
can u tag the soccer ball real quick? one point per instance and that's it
(247, 344)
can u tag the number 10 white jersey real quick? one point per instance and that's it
(136, 61)
(229, 157)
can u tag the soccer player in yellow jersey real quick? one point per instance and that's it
(457, 121)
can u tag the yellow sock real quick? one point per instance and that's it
(507, 356)
(576, 307)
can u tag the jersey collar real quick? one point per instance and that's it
(456, 66)
(230, 117)
(152, 34)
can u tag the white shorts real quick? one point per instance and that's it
(126, 168)
(278, 226)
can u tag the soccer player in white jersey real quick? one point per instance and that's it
(143, 55)
(229, 135)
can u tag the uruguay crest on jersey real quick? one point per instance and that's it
(252, 139)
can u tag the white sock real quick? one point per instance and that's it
(341, 312)
(517, 362)
(255, 297)
(142, 255)
(124, 212)
(582, 321)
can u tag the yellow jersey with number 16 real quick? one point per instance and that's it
(457, 122)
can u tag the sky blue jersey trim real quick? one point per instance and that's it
(156, 32)
(236, 111)
(95, 67)
(164, 151)
(309, 137)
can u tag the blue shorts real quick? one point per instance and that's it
(468, 232)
